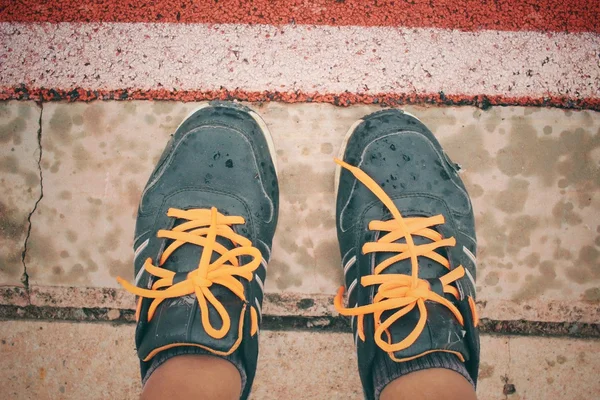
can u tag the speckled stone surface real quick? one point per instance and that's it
(523, 67)
(58, 360)
(533, 175)
(19, 183)
(543, 15)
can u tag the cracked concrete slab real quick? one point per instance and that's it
(533, 175)
(96, 160)
(19, 183)
(48, 360)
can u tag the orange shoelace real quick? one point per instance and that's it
(398, 291)
(202, 228)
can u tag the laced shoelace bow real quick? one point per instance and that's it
(398, 292)
(201, 228)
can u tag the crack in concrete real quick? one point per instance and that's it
(25, 276)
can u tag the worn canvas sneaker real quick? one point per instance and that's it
(203, 236)
(406, 232)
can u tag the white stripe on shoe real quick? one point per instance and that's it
(260, 283)
(136, 253)
(349, 264)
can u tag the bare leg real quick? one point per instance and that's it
(429, 384)
(195, 377)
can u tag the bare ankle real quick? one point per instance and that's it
(429, 384)
(194, 377)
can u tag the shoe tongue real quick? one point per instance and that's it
(187, 257)
(442, 330)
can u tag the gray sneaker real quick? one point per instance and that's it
(203, 238)
(406, 232)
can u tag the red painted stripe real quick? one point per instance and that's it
(343, 99)
(468, 15)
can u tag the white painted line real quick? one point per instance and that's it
(322, 59)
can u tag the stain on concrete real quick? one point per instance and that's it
(592, 295)
(77, 119)
(587, 266)
(133, 190)
(94, 201)
(12, 226)
(328, 259)
(281, 274)
(71, 236)
(469, 148)
(326, 148)
(475, 190)
(495, 234)
(301, 178)
(491, 279)
(10, 263)
(578, 167)
(61, 124)
(55, 167)
(486, 371)
(121, 267)
(537, 285)
(320, 219)
(519, 232)
(493, 120)
(513, 277)
(9, 164)
(130, 107)
(93, 119)
(561, 253)
(41, 247)
(512, 200)
(437, 121)
(81, 156)
(110, 241)
(162, 107)
(85, 256)
(550, 157)
(563, 213)
(12, 131)
(65, 195)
